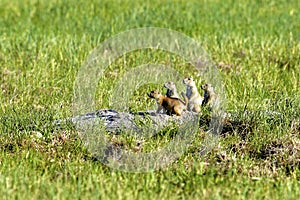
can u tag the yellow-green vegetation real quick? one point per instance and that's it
(256, 46)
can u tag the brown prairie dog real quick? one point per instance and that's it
(171, 105)
(210, 96)
(194, 98)
(171, 90)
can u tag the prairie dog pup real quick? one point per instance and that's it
(171, 90)
(171, 105)
(210, 96)
(194, 98)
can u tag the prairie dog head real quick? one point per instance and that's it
(154, 94)
(189, 82)
(170, 85)
(207, 88)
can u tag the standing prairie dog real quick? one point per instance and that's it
(171, 105)
(194, 98)
(210, 96)
(171, 90)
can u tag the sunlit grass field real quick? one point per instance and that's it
(255, 46)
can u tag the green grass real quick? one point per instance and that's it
(256, 46)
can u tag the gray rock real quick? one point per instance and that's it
(116, 122)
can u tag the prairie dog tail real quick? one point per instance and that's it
(186, 100)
